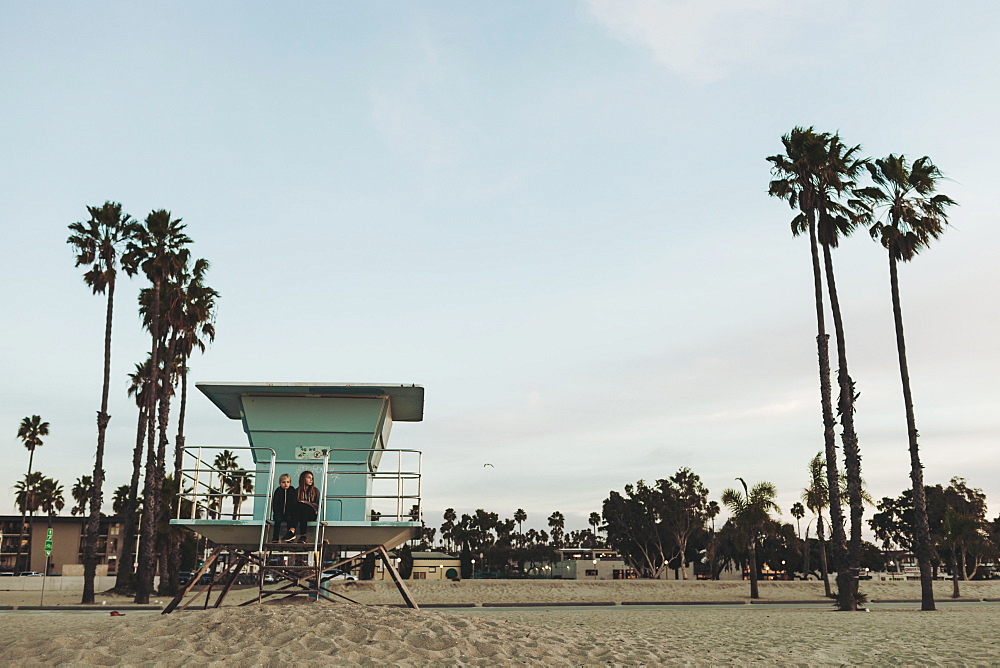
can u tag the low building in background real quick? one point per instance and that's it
(429, 566)
(584, 563)
(67, 543)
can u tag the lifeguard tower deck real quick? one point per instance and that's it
(369, 494)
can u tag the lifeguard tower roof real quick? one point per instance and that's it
(406, 401)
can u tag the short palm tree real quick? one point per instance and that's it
(908, 214)
(28, 498)
(520, 516)
(751, 513)
(816, 498)
(50, 498)
(557, 522)
(81, 494)
(30, 432)
(98, 245)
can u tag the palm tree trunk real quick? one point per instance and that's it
(125, 567)
(754, 592)
(168, 580)
(839, 540)
(806, 556)
(181, 414)
(24, 510)
(824, 569)
(90, 556)
(154, 481)
(849, 437)
(922, 533)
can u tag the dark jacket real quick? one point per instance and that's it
(283, 501)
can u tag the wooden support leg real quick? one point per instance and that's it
(194, 580)
(232, 579)
(400, 585)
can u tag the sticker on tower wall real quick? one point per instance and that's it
(311, 452)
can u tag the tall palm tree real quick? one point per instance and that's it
(81, 494)
(837, 180)
(816, 498)
(806, 176)
(158, 249)
(98, 245)
(193, 323)
(187, 323)
(908, 214)
(751, 512)
(30, 432)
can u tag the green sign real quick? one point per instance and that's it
(48, 543)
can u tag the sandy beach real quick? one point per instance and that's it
(300, 631)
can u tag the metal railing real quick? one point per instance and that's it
(216, 496)
(205, 487)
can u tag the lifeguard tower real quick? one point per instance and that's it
(369, 494)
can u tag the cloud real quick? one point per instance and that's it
(701, 41)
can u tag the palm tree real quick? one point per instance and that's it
(137, 387)
(30, 432)
(158, 248)
(912, 215)
(595, 521)
(520, 516)
(50, 498)
(193, 323)
(98, 244)
(798, 512)
(81, 494)
(816, 498)
(225, 462)
(557, 522)
(36, 492)
(188, 322)
(448, 528)
(814, 171)
(119, 501)
(27, 497)
(837, 178)
(751, 513)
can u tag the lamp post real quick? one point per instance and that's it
(473, 569)
(595, 568)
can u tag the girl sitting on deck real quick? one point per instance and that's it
(307, 507)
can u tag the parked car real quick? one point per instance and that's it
(30, 574)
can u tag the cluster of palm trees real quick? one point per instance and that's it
(178, 311)
(818, 175)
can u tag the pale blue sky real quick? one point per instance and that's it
(551, 215)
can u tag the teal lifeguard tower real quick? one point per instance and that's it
(369, 494)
